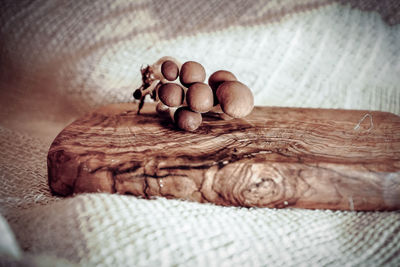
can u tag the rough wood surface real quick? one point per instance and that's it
(276, 157)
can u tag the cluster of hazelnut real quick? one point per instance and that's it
(185, 102)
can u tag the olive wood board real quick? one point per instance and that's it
(276, 157)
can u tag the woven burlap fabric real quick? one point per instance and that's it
(60, 59)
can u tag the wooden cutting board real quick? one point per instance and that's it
(276, 157)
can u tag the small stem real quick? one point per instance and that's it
(150, 89)
(152, 78)
(146, 91)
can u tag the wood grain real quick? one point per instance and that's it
(276, 157)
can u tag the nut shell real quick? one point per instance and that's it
(171, 94)
(217, 78)
(220, 76)
(170, 70)
(235, 98)
(186, 119)
(192, 72)
(199, 97)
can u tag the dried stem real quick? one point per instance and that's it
(152, 78)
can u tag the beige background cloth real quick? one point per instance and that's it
(59, 59)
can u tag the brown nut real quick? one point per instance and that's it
(170, 70)
(192, 72)
(199, 97)
(235, 98)
(186, 119)
(171, 94)
(217, 78)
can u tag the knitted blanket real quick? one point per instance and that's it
(60, 59)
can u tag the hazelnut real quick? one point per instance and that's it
(186, 119)
(217, 78)
(170, 70)
(235, 98)
(192, 72)
(171, 94)
(199, 97)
